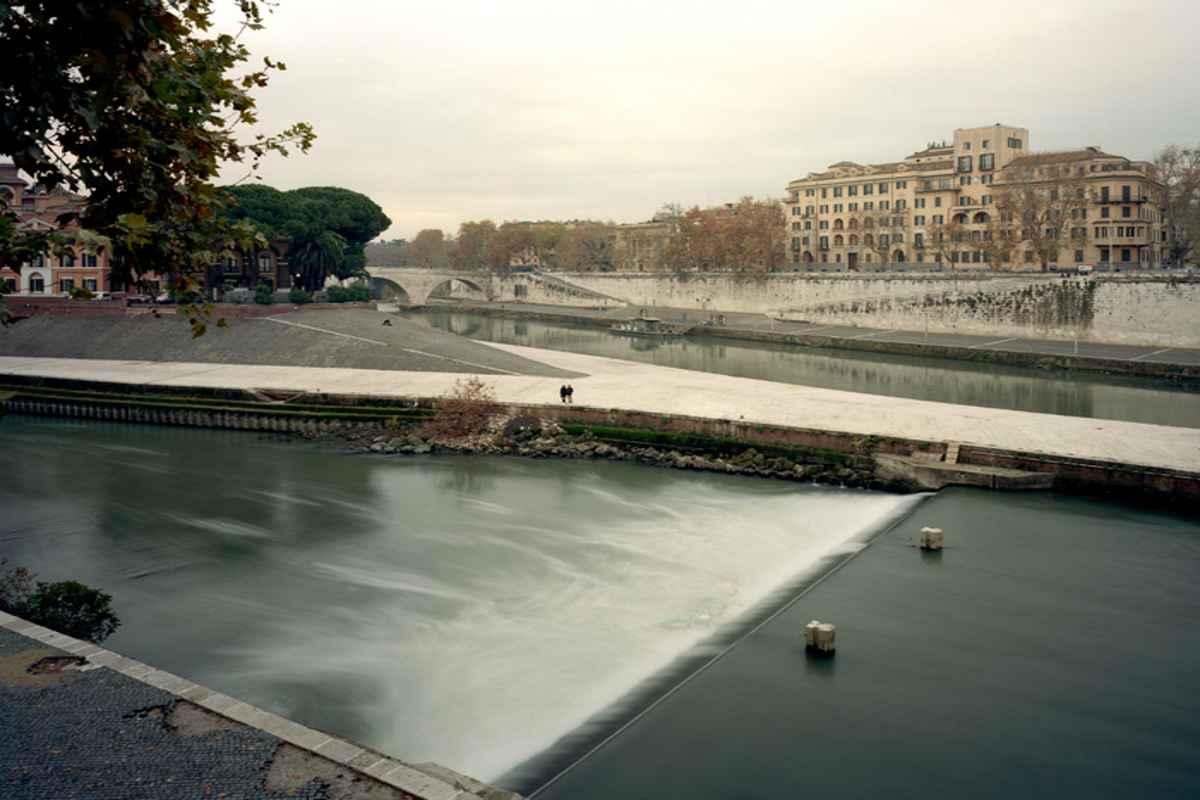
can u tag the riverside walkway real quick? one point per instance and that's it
(615, 384)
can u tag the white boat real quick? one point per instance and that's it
(649, 326)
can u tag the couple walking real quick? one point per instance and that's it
(566, 393)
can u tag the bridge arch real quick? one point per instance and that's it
(451, 287)
(388, 291)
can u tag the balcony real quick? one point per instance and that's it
(1120, 201)
(934, 188)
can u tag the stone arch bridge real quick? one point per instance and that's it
(415, 286)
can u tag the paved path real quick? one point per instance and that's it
(760, 322)
(612, 383)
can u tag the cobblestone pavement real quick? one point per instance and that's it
(99, 735)
(355, 338)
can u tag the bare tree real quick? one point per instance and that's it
(1178, 170)
(1037, 204)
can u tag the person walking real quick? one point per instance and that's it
(570, 394)
(562, 393)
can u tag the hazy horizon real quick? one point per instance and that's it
(537, 110)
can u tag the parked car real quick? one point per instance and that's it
(1084, 269)
(138, 300)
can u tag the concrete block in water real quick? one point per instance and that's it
(819, 637)
(931, 538)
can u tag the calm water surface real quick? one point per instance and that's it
(464, 610)
(941, 380)
(1051, 651)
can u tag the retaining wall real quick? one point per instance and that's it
(1135, 309)
(345, 414)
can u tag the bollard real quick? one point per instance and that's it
(931, 538)
(819, 638)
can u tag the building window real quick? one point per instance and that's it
(919, 202)
(68, 260)
(823, 242)
(987, 160)
(795, 242)
(1104, 211)
(796, 226)
(1015, 144)
(901, 184)
(1125, 254)
(88, 259)
(966, 145)
(808, 224)
(37, 284)
(837, 191)
(869, 205)
(964, 163)
(824, 192)
(837, 208)
(1125, 211)
(987, 179)
(937, 202)
(883, 205)
(986, 144)
(900, 204)
(852, 206)
(868, 188)
(824, 225)
(883, 188)
(1103, 194)
(795, 211)
(808, 211)
(919, 239)
(89, 284)
(66, 284)
(852, 191)
(964, 180)
(1125, 194)
(986, 199)
(919, 219)
(939, 219)
(1078, 256)
(825, 209)
(810, 192)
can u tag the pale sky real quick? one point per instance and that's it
(514, 109)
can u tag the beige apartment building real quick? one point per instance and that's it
(947, 205)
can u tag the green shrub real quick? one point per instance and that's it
(68, 607)
(354, 293)
(264, 295)
(298, 296)
(80, 293)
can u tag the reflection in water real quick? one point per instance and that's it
(464, 610)
(946, 381)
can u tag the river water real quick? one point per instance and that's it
(942, 380)
(506, 617)
(464, 610)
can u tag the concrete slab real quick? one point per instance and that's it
(612, 383)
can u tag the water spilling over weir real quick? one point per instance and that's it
(462, 610)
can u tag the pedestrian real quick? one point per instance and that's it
(562, 393)
(570, 394)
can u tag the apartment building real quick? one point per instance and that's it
(49, 273)
(952, 203)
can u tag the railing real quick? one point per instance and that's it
(1120, 200)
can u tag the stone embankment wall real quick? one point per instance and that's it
(391, 425)
(1137, 310)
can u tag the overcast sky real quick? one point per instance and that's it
(507, 109)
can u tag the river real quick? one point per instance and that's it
(506, 617)
(1078, 394)
(463, 610)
